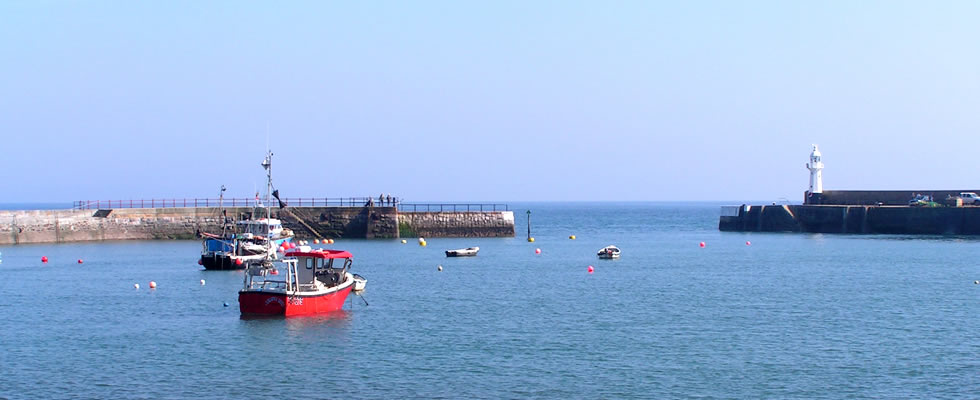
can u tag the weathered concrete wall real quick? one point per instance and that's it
(855, 219)
(49, 226)
(457, 224)
(873, 197)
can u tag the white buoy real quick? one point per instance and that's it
(202, 282)
(136, 285)
(440, 268)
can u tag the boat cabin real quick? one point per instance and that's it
(306, 266)
(261, 227)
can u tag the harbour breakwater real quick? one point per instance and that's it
(52, 226)
(851, 219)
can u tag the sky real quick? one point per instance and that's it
(469, 101)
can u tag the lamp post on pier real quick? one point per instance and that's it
(529, 238)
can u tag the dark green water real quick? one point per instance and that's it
(791, 316)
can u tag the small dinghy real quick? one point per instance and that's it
(467, 252)
(359, 283)
(608, 252)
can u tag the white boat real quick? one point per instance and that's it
(467, 252)
(608, 252)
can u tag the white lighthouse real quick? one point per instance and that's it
(816, 172)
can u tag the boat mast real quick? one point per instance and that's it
(267, 164)
(221, 206)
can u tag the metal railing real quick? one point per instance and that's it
(292, 202)
(228, 202)
(450, 207)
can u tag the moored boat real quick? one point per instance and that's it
(360, 283)
(248, 241)
(254, 241)
(608, 252)
(467, 252)
(316, 281)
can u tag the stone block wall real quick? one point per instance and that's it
(457, 224)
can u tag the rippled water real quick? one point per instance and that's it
(791, 316)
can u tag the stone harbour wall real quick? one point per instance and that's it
(54, 226)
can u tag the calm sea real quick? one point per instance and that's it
(789, 316)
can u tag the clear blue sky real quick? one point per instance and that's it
(483, 101)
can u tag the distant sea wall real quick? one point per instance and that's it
(877, 197)
(851, 219)
(52, 226)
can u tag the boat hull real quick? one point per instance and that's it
(278, 303)
(456, 254)
(219, 263)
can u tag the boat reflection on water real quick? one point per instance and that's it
(315, 319)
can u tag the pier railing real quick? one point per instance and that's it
(228, 202)
(450, 207)
(292, 202)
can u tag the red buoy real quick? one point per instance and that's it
(701, 244)
(153, 285)
(238, 261)
(591, 269)
(537, 251)
(199, 262)
(79, 260)
(44, 259)
(748, 243)
(274, 272)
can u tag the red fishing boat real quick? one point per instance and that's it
(316, 281)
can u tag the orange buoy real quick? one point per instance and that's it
(44, 259)
(153, 285)
(330, 241)
(316, 241)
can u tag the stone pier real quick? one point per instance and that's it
(53, 226)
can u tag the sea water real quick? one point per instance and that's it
(787, 316)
